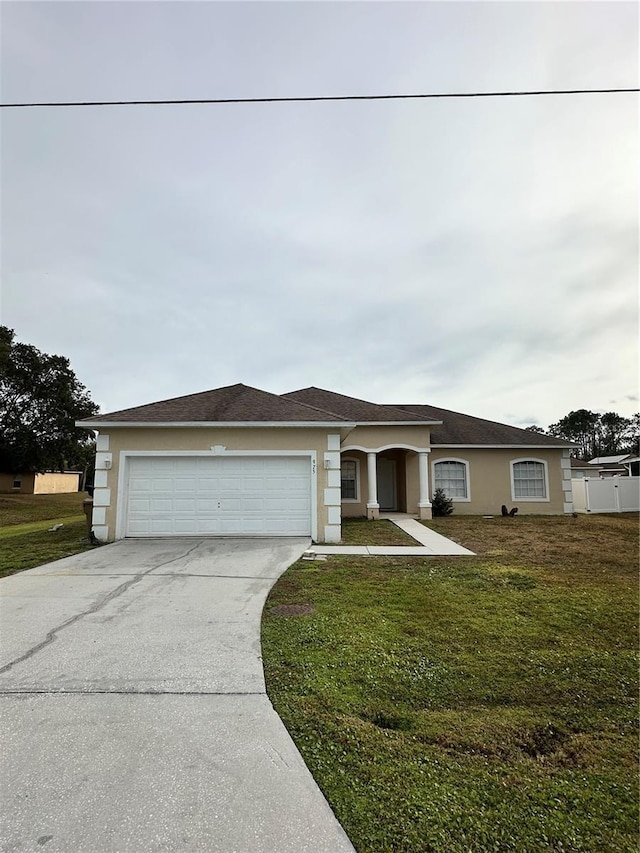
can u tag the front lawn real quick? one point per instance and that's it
(25, 536)
(21, 509)
(482, 703)
(359, 531)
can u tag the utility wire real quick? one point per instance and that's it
(167, 102)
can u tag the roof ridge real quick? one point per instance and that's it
(346, 397)
(235, 402)
(172, 399)
(309, 406)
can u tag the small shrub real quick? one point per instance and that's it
(441, 504)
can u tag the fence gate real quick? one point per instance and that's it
(613, 494)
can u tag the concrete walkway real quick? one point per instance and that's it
(134, 709)
(432, 544)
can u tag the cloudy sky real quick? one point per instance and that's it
(476, 254)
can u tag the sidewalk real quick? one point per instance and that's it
(432, 544)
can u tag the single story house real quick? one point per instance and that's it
(621, 465)
(45, 483)
(238, 461)
(581, 468)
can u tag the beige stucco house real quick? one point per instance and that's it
(237, 461)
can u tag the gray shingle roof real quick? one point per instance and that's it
(464, 429)
(231, 404)
(243, 404)
(579, 463)
(351, 408)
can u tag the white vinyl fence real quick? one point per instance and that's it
(614, 494)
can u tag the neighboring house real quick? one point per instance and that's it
(622, 465)
(237, 461)
(47, 483)
(580, 469)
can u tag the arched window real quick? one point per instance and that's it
(529, 480)
(452, 476)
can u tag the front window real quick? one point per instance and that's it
(349, 479)
(529, 480)
(451, 477)
(17, 482)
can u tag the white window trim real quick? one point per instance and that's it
(467, 475)
(355, 500)
(532, 499)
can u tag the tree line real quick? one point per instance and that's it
(608, 434)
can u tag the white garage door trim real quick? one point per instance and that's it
(127, 455)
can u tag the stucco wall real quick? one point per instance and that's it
(376, 437)
(26, 488)
(110, 445)
(490, 479)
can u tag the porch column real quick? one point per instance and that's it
(373, 507)
(424, 504)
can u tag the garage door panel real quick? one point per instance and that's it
(183, 484)
(254, 505)
(227, 484)
(161, 505)
(138, 528)
(233, 496)
(230, 506)
(300, 505)
(185, 505)
(139, 504)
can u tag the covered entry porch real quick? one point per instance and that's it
(384, 479)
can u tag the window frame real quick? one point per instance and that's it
(467, 477)
(16, 483)
(355, 500)
(545, 471)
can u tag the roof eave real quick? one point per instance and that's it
(507, 446)
(211, 424)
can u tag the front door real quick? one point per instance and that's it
(387, 490)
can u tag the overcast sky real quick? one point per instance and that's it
(477, 254)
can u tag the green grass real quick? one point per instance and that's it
(481, 703)
(35, 526)
(359, 531)
(25, 538)
(20, 509)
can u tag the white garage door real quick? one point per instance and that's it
(219, 496)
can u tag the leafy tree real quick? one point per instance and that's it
(40, 400)
(631, 438)
(613, 429)
(583, 427)
(599, 435)
(535, 428)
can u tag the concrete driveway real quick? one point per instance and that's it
(134, 709)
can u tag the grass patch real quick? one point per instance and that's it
(27, 550)
(35, 526)
(21, 509)
(482, 703)
(25, 538)
(360, 531)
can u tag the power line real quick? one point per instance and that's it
(176, 101)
